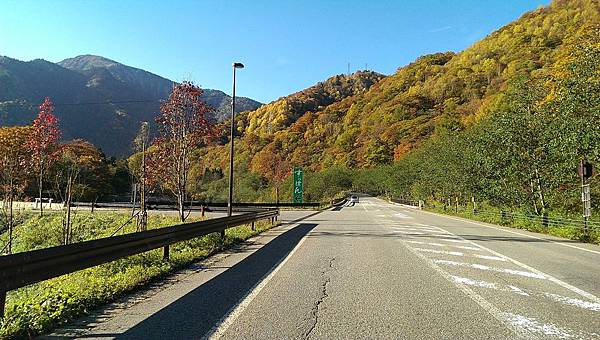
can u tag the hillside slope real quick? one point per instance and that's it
(435, 94)
(263, 126)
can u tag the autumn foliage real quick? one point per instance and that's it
(182, 127)
(42, 143)
(78, 160)
(14, 170)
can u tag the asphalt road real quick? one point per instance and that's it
(374, 270)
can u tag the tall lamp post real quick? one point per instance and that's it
(230, 200)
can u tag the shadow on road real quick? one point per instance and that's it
(301, 218)
(193, 315)
(372, 234)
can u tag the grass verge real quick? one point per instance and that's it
(42, 307)
(490, 214)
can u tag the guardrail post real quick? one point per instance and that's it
(166, 253)
(545, 220)
(2, 303)
(202, 210)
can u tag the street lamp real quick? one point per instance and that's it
(230, 200)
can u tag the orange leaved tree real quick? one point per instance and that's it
(14, 170)
(78, 161)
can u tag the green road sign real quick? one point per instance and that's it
(298, 185)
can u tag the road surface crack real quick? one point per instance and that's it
(324, 295)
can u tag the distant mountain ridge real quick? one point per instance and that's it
(89, 65)
(80, 85)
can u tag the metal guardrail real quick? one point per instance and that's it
(545, 221)
(503, 215)
(197, 206)
(22, 269)
(338, 201)
(404, 201)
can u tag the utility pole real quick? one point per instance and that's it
(144, 213)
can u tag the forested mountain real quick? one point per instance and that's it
(429, 107)
(262, 129)
(79, 86)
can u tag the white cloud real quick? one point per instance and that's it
(440, 29)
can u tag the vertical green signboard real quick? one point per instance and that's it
(298, 185)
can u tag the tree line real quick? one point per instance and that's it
(35, 162)
(523, 154)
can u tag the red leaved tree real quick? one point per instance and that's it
(182, 126)
(42, 143)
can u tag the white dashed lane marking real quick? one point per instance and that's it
(441, 245)
(488, 268)
(458, 253)
(565, 300)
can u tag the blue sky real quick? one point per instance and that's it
(286, 45)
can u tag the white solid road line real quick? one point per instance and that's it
(221, 327)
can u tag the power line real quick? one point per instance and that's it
(108, 102)
(102, 103)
